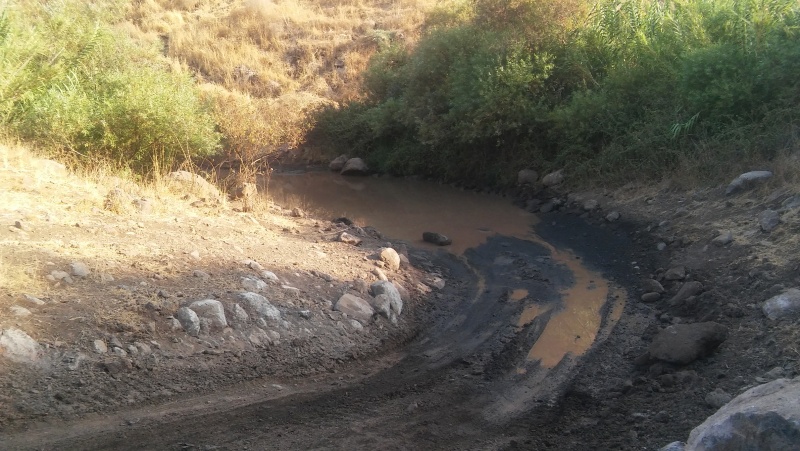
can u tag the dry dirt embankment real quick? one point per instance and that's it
(96, 274)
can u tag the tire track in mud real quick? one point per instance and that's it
(456, 386)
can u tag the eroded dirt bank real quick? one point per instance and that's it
(452, 371)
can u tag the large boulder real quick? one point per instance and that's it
(684, 343)
(553, 178)
(747, 180)
(193, 183)
(261, 306)
(388, 289)
(337, 164)
(391, 258)
(764, 417)
(784, 305)
(189, 320)
(355, 308)
(355, 166)
(18, 346)
(212, 310)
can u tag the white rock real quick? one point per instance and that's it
(784, 305)
(355, 307)
(270, 276)
(764, 417)
(613, 216)
(239, 314)
(553, 178)
(188, 320)
(20, 311)
(391, 258)
(382, 305)
(79, 269)
(253, 284)
(100, 346)
(746, 180)
(212, 310)
(391, 292)
(33, 300)
(261, 306)
(18, 346)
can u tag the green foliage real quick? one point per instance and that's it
(605, 89)
(70, 83)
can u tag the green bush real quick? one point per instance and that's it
(73, 85)
(605, 89)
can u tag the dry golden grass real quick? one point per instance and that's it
(265, 65)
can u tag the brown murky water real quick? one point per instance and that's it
(404, 209)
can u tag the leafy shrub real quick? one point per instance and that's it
(74, 86)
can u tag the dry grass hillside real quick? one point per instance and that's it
(265, 65)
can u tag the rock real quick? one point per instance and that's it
(405, 296)
(33, 300)
(261, 306)
(661, 246)
(613, 216)
(590, 205)
(527, 177)
(436, 238)
(239, 314)
(391, 258)
(189, 321)
(355, 166)
(61, 276)
(747, 180)
(791, 203)
(195, 254)
(270, 276)
(766, 417)
(252, 264)
(687, 290)
(253, 284)
(144, 206)
(79, 269)
(684, 343)
(768, 220)
(382, 305)
(193, 183)
(718, 398)
(212, 310)
(259, 338)
(725, 237)
(18, 346)
(438, 283)
(553, 178)
(675, 273)
(143, 348)
(651, 297)
(784, 305)
(547, 207)
(201, 274)
(119, 352)
(391, 292)
(345, 237)
(379, 274)
(337, 164)
(674, 446)
(356, 325)
(305, 314)
(652, 286)
(354, 307)
(297, 213)
(100, 346)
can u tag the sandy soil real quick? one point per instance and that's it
(452, 372)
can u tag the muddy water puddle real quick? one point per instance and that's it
(403, 209)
